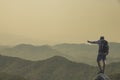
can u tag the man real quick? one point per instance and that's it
(102, 52)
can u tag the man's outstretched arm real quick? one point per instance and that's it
(93, 42)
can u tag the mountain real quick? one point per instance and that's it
(5, 76)
(113, 68)
(84, 53)
(80, 52)
(115, 76)
(3, 47)
(30, 52)
(87, 53)
(54, 68)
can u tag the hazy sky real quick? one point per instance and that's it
(58, 21)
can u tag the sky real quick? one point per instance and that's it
(58, 21)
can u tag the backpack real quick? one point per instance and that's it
(104, 48)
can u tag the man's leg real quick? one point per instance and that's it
(103, 60)
(99, 58)
(103, 66)
(99, 66)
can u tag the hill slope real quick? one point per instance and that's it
(54, 68)
(115, 76)
(5, 76)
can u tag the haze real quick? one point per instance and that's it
(58, 21)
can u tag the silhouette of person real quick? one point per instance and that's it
(102, 52)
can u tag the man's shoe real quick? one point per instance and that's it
(100, 72)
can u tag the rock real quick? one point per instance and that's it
(102, 76)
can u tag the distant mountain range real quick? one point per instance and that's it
(54, 68)
(30, 52)
(84, 53)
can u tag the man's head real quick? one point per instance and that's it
(102, 38)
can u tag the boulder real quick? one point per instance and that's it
(102, 76)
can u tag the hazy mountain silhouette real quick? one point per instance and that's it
(3, 47)
(76, 52)
(31, 52)
(87, 53)
(79, 52)
(54, 68)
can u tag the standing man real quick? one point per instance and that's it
(102, 52)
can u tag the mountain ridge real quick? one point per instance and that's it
(54, 68)
(49, 68)
(75, 52)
